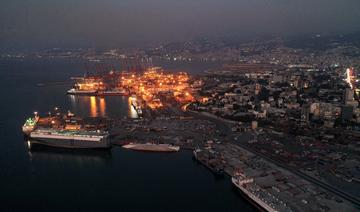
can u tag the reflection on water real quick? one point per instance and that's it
(72, 101)
(78, 156)
(102, 106)
(94, 106)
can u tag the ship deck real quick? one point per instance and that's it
(71, 132)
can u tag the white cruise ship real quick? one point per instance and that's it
(74, 91)
(261, 198)
(70, 138)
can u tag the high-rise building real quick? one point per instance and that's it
(257, 88)
(349, 98)
(348, 95)
(350, 76)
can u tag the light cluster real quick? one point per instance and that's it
(154, 82)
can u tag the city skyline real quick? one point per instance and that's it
(79, 23)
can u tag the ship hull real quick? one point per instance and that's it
(71, 143)
(251, 200)
(85, 93)
(216, 171)
(112, 94)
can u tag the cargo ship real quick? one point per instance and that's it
(259, 197)
(214, 168)
(70, 138)
(152, 147)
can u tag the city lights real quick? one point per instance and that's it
(153, 82)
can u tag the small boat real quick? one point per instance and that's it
(151, 147)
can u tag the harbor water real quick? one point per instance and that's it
(48, 179)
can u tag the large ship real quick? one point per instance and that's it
(114, 92)
(261, 198)
(104, 84)
(67, 131)
(74, 91)
(213, 167)
(70, 138)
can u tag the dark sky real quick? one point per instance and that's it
(76, 23)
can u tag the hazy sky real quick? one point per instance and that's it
(75, 23)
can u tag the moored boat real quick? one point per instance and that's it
(74, 91)
(70, 138)
(259, 197)
(115, 92)
(151, 147)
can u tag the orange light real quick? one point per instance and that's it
(93, 106)
(102, 106)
